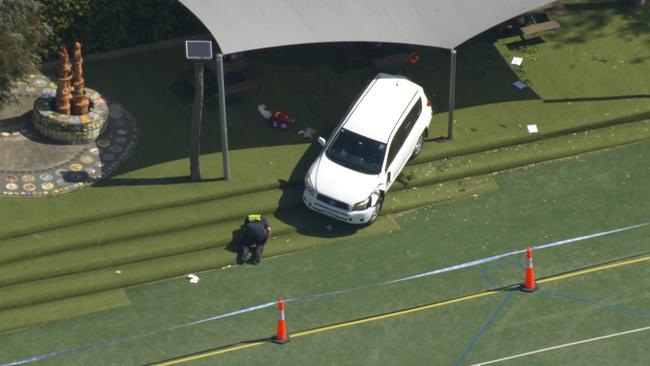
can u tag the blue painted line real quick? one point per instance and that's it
(84, 347)
(516, 252)
(616, 307)
(237, 312)
(484, 329)
(591, 236)
(322, 295)
(485, 271)
(487, 278)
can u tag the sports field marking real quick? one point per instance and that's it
(326, 328)
(337, 292)
(404, 312)
(562, 346)
(594, 269)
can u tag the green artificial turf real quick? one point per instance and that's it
(587, 91)
(533, 206)
(580, 77)
(79, 270)
(29, 316)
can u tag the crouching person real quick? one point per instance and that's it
(255, 231)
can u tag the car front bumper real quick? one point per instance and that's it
(350, 217)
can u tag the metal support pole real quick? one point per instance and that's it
(452, 94)
(222, 117)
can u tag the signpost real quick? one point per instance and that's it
(200, 51)
(197, 51)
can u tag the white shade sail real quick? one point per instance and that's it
(242, 25)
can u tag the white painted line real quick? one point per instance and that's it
(562, 346)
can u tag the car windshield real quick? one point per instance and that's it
(357, 152)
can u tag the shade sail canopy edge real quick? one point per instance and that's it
(243, 25)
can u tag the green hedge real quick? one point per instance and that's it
(102, 25)
(21, 33)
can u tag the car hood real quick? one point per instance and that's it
(341, 183)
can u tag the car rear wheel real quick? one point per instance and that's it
(375, 213)
(418, 146)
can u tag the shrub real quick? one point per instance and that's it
(102, 25)
(21, 33)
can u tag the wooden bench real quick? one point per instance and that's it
(240, 87)
(536, 28)
(211, 87)
(390, 60)
(228, 66)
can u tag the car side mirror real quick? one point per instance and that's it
(321, 141)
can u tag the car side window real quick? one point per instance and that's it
(412, 117)
(398, 140)
(403, 131)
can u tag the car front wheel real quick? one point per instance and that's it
(375, 213)
(418, 146)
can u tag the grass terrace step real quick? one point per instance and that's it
(156, 222)
(198, 235)
(172, 213)
(55, 288)
(172, 252)
(436, 148)
(141, 248)
(524, 154)
(27, 316)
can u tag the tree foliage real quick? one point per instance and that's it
(21, 33)
(102, 25)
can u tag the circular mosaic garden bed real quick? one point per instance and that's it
(88, 163)
(69, 128)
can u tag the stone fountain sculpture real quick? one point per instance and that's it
(80, 103)
(73, 113)
(63, 86)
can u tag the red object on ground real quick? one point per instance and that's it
(282, 337)
(414, 59)
(280, 119)
(529, 285)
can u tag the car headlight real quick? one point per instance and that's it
(359, 206)
(309, 186)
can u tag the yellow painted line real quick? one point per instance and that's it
(398, 313)
(394, 314)
(595, 269)
(209, 354)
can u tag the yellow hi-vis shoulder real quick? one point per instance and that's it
(254, 218)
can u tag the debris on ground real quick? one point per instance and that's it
(519, 84)
(307, 133)
(193, 278)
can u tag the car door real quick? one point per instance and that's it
(395, 160)
(403, 142)
(413, 130)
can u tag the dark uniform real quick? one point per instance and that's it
(255, 231)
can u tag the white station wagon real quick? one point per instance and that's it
(383, 129)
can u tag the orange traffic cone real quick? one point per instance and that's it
(529, 285)
(282, 336)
